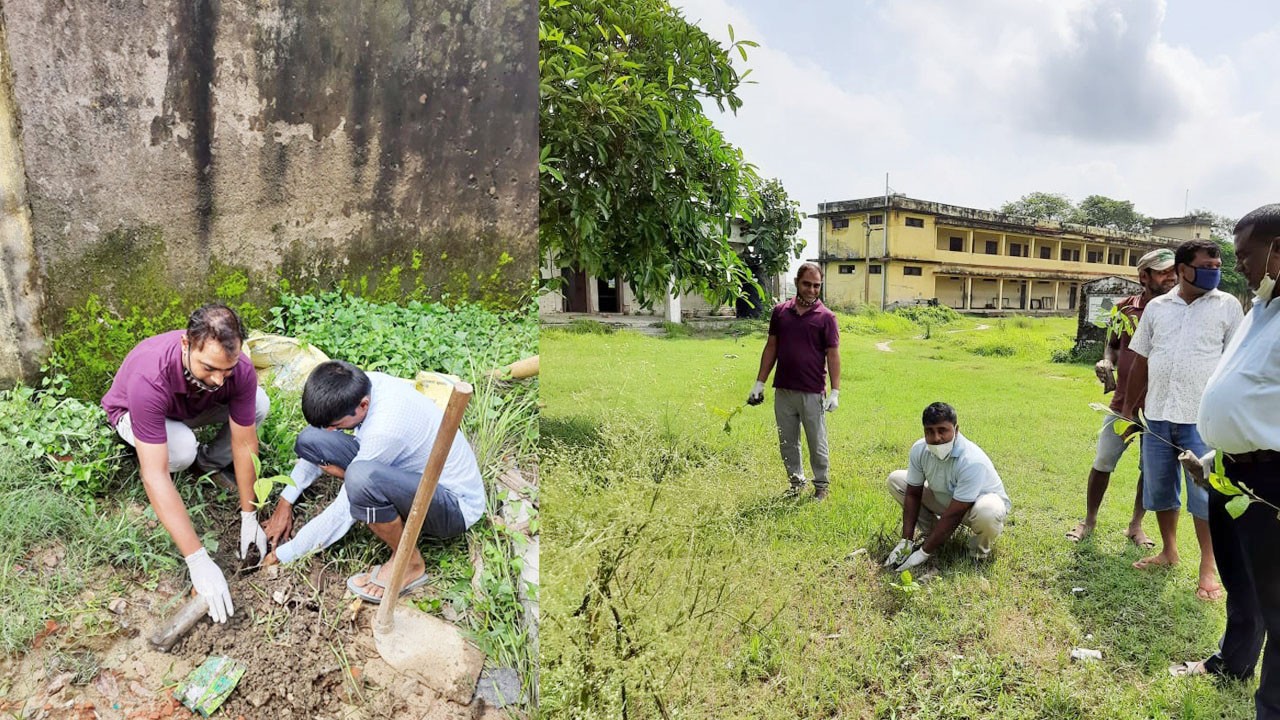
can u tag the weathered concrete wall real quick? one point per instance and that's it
(325, 140)
(20, 338)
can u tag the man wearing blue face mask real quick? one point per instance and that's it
(1240, 417)
(949, 481)
(1177, 345)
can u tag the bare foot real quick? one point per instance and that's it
(1080, 532)
(1155, 561)
(1139, 538)
(416, 568)
(1209, 589)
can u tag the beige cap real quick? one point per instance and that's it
(1157, 260)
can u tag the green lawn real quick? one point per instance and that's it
(680, 583)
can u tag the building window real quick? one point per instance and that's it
(910, 270)
(1018, 249)
(846, 269)
(874, 270)
(875, 219)
(1115, 257)
(957, 244)
(1070, 255)
(992, 247)
(1133, 259)
(1094, 256)
(915, 222)
(1045, 252)
(839, 223)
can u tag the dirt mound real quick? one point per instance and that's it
(305, 641)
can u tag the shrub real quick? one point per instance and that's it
(586, 326)
(929, 314)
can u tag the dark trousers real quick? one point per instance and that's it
(378, 492)
(1250, 568)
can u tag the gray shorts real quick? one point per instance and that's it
(1111, 447)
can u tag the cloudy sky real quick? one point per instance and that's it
(978, 102)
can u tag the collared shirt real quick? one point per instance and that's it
(399, 430)
(1132, 308)
(150, 387)
(965, 475)
(1182, 344)
(803, 341)
(1240, 410)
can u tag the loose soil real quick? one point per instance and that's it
(307, 644)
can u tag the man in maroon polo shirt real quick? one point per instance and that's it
(170, 384)
(1156, 276)
(804, 342)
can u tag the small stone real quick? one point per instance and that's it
(500, 687)
(422, 99)
(58, 683)
(280, 596)
(117, 606)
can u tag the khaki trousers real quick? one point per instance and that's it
(985, 519)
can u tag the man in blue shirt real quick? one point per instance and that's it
(949, 482)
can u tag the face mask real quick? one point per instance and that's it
(1267, 285)
(203, 387)
(941, 451)
(1207, 278)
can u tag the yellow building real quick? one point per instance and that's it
(909, 251)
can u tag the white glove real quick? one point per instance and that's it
(901, 550)
(916, 558)
(252, 533)
(210, 584)
(757, 394)
(832, 402)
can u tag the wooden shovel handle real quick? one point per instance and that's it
(458, 400)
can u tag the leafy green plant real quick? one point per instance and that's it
(728, 416)
(1241, 495)
(929, 314)
(262, 485)
(403, 340)
(71, 438)
(907, 587)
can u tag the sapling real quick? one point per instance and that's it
(1241, 495)
(262, 485)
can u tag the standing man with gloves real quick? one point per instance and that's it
(804, 342)
(170, 384)
(949, 481)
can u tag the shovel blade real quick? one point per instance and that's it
(431, 650)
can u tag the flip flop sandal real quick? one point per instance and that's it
(360, 592)
(1188, 669)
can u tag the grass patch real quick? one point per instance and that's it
(681, 583)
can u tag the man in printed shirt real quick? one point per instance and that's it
(1177, 345)
(804, 342)
(380, 464)
(1240, 417)
(170, 384)
(949, 482)
(1155, 275)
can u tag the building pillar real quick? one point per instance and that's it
(593, 294)
(1004, 244)
(1000, 289)
(968, 293)
(969, 241)
(1057, 252)
(1057, 290)
(672, 307)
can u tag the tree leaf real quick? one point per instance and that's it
(1237, 505)
(1121, 426)
(1222, 485)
